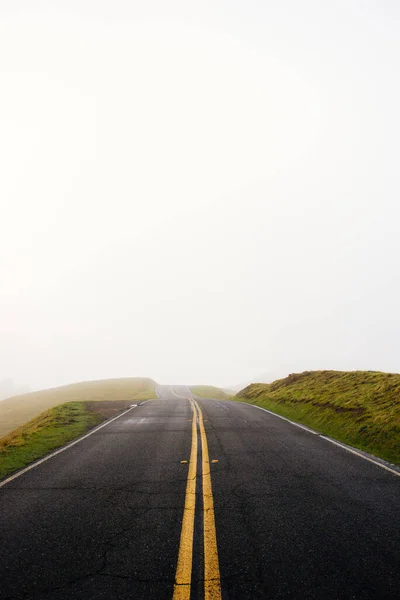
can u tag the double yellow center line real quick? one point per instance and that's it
(183, 577)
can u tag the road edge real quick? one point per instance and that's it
(38, 462)
(379, 462)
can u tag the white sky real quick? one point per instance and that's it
(199, 192)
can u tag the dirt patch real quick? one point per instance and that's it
(108, 408)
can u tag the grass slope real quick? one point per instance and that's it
(209, 391)
(50, 430)
(17, 410)
(360, 408)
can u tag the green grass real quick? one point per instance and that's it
(50, 430)
(360, 408)
(17, 410)
(209, 391)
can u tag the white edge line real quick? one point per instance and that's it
(285, 419)
(328, 439)
(42, 460)
(371, 460)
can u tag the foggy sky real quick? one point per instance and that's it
(198, 192)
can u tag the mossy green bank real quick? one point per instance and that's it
(360, 408)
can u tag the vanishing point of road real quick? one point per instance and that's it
(185, 498)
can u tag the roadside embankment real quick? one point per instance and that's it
(50, 430)
(18, 410)
(360, 408)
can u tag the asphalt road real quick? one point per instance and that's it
(294, 516)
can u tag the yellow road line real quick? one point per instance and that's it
(183, 574)
(212, 578)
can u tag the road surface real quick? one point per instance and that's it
(138, 509)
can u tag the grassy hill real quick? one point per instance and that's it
(209, 391)
(17, 410)
(360, 408)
